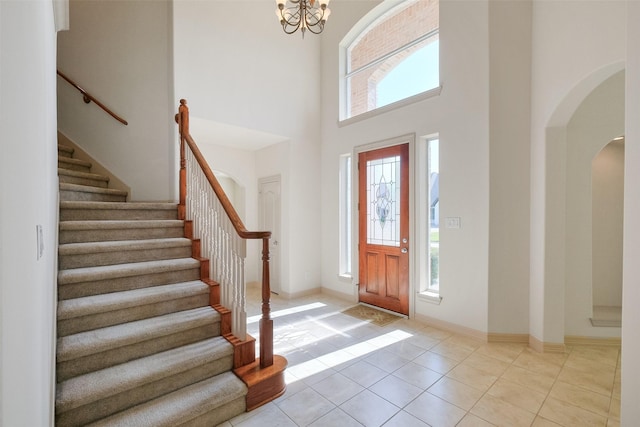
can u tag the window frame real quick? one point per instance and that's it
(426, 292)
(369, 21)
(345, 191)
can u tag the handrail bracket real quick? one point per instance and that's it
(87, 98)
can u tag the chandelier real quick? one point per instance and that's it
(302, 14)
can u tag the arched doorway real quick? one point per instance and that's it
(607, 213)
(589, 117)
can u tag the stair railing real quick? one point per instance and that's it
(223, 237)
(87, 97)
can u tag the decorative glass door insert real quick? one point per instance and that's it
(383, 208)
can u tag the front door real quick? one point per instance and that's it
(383, 204)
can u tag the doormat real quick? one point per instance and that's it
(372, 315)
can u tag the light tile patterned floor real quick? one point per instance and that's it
(346, 372)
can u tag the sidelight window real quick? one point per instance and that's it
(345, 215)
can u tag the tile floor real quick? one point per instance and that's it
(345, 372)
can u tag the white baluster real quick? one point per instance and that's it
(220, 243)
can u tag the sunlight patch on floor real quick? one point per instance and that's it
(288, 311)
(317, 365)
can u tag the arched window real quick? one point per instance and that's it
(396, 56)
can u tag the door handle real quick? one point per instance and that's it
(404, 250)
(275, 243)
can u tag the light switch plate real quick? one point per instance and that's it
(39, 242)
(453, 222)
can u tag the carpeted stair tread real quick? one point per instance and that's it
(74, 210)
(69, 191)
(88, 254)
(70, 163)
(118, 205)
(121, 245)
(183, 405)
(79, 282)
(95, 231)
(68, 176)
(124, 270)
(80, 174)
(117, 225)
(78, 307)
(91, 342)
(65, 151)
(86, 313)
(94, 386)
(66, 186)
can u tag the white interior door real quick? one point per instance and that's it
(269, 211)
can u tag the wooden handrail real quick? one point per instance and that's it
(222, 196)
(266, 323)
(88, 98)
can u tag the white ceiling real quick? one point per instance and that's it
(206, 131)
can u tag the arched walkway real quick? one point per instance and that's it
(579, 127)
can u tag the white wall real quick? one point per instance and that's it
(336, 142)
(510, 115)
(28, 197)
(274, 161)
(576, 46)
(120, 52)
(598, 119)
(630, 410)
(464, 151)
(235, 66)
(607, 207)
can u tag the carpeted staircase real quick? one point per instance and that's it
(138, 343)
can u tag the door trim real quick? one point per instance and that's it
(277, 263)
(403, 139)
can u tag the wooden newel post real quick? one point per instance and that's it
(266, 323)
(182, 118)
(264, 380)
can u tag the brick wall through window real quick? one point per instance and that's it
(395, 29)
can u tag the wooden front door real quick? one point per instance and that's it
(383, 204)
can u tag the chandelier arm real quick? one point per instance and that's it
(296, 16)
(315, 20)
(320, 27)
(285, 25)
(309, 23)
